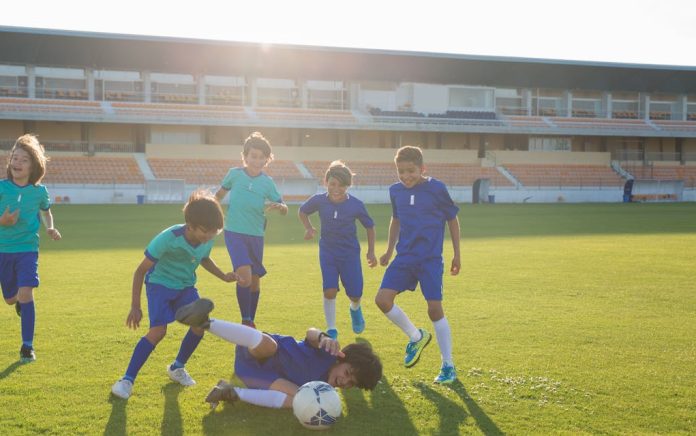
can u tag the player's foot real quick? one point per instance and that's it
(414, 349)
(195, 314)
(333, 333)
(249, 323)
(26, 354)
(18, 309)
(223, 391)
(448, 374)
(356, 317)
(122, 388)
(181, 376)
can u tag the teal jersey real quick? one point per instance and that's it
(245, 213)
(175, 258)
(24, 235)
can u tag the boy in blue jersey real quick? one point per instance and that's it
(252, 192)
(420, 208)
(169, 273)
(272, 367)
(23, 200)
(339, 249)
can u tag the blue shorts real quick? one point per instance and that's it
(245, 250)
(162, 302)
(401, 276)
(255, 374)
(349, 270)
(18, 270)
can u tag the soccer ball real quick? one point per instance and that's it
(316, 405)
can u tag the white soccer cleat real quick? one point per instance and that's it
(181, 376)
(122, 388)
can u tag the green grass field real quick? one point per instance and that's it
(567, 319)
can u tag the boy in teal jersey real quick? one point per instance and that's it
(252, 192)
(169, 273)
(22, 196)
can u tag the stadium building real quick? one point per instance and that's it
(128, 118)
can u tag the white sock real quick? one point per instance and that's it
(236, 333)
(262, 397)
(398, 317)
(354, 305)
(330, 313)
(444, 340)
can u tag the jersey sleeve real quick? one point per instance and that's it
(310, 206)
(445, 202)
(229, 179)
(45, 201)
(158, 246)
(272, 193)
(364, 217)
(392, 199)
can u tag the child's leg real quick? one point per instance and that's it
(239, 334)
(264, 397)
(442, 330)
(25, 297)
(188, 346)
(143, 350)
(385, 301)
(354, 303)
(255, 293)
(244, 281)
(330, 308)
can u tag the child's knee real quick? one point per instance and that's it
(266, 348)
(384, 301)
(11, 301)
(156, 334)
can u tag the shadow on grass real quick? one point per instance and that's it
(117, 420)
(171, 420)
(10, 369)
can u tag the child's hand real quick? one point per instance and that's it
(331, 346)
(456, 265)
(134, 317)
(53, 234)
(9, 218)
(384, 259)
(230, 277)
(280, 207)
(309, 233)
(371, 259)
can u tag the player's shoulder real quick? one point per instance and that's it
(173, 232)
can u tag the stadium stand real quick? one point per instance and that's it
(212, 171)
(334, 116)
(565, 175)
(687, 173)
(49, 106)
(93, 170)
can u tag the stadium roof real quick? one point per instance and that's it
(58, 48)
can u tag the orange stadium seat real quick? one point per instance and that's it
(97, 170)
(565, 175)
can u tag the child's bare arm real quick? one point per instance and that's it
(371, 236)
(47, 218)
(210, 266)
(221, 193)
(136, 313)
(310, 231)
(9, 218)
(453, 225)
(318, 339)
(394, 228)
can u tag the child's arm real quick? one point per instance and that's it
(136, 313)
(371, 259)
(213, 269)
(394, 228)
(9, 218)
(221, 193)
(318, 339)
(453, 225)
(280, 207)
(47, 218)
(310, 231)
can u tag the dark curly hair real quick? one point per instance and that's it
(366, 366)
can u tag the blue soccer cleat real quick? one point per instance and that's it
(414, 349)
(333, 333)
(448, 374)
(356, 317)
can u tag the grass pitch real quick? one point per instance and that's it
(566, 319)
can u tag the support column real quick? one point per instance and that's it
(89, 78)
(607, 105)
(31, 81)
(147, 87)
(200, 88)
(527, 101)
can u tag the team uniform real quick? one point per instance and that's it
(339, 249)
(295, 361)
(422, 212)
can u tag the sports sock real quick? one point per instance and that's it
(262, 397)
(188, 346)
(354, 305)
(444, 339)
(330, 313)
(398, 317)
(140, 354)
(254, 303)
(236, 333)
(28, 311)
(244, 301)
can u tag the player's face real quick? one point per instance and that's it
(341, 376)
(200, 235)
(20, 165)
(255, 161)
(337, 191)
(410, 174)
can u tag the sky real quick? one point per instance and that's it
(659, 32)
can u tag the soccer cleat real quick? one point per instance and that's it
(448, 374)
(122, 388)
(356, 317)
(333, 333)
(26, 354)
(18, 309)
(195, 314)
(181, 376)
(223, 391)
(414, 349)
(249, 323)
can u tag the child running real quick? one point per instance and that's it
(339, 249)
(251, 193)
(272, 367)
(169, 273)
(24, 201)
(420, 208)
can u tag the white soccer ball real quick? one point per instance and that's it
(317, 405)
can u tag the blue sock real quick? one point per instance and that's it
(244, 301)
(254, 304)
(140, 354)
(28, 321)
(188, 346)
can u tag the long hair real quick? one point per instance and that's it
(31, 145)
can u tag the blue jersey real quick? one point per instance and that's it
(338, 230)
(176, 259)
(245, 213)
(29, 199)
(422, 212)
